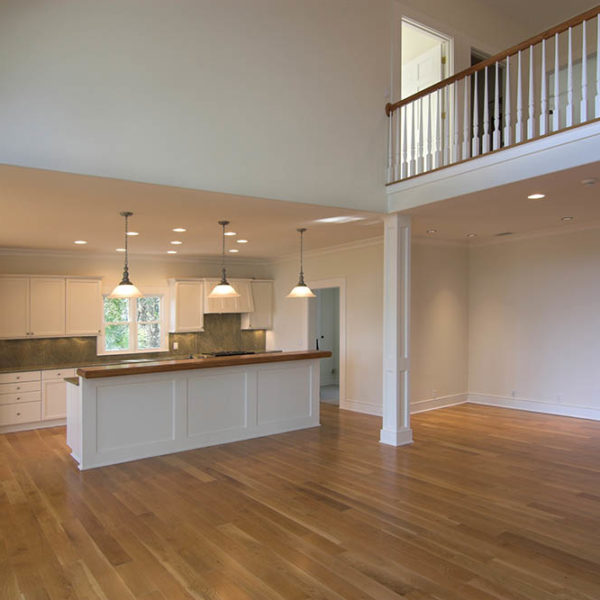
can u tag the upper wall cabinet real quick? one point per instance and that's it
(48, 306)
(262, 317)
(242, 304)
(84, 306)
(14, 300)
(187, 305)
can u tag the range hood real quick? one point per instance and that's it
(242, 304)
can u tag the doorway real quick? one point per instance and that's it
(326, 331)
(426, 60)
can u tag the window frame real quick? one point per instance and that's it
(132, 323)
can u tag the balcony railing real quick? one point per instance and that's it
(544, 85)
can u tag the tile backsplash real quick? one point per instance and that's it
(221, 332)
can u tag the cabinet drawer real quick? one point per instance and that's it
(22, 376)
(58, 374)
(26, 412)
(20, 397)
(15, 388)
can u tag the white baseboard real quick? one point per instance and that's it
(435, 403)
(564, 410)
(34, 425)
(361, 407)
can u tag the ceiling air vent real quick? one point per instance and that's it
(504, 233)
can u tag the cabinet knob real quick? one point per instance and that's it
(18, 397)
(18, 414)
(18, 377)
(18, 387)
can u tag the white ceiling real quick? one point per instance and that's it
(507, 208)
(50, 210)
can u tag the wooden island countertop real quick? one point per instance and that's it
(162, 366)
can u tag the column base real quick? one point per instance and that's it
(400, 437)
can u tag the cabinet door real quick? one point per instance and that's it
(84, 306)
(262, 317)
(187, 311)
(14, 307)
(47, 306)
(54, 400)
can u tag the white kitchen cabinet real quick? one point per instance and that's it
(14, 313)
(46, 306)
(187, 305)
(242, 304)
(262, 317)
(54, 393)
(83, 306)
(20, 398)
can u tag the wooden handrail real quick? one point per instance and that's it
(549, 33)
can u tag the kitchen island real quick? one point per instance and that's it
(118, 413)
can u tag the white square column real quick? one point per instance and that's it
(396, 429)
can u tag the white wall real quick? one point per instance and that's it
(272, 98)
(534, 324)
(144, 270)
(439, 320)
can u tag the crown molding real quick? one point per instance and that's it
(365, 243)
(83, 255)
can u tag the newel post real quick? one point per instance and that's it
(396, 429)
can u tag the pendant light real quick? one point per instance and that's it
(301, 290)
(223, 289)
(126, 289)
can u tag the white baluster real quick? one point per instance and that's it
(420, 151)
(507, 105)
(597, 113)
(583, 106)
(429, 158)
(446, 116)
(465, 145)
(519, 124)
(543, 94)
(531, 117)
(569, 109)
(485, 146)
(497, 125)
(398, 157)
(556, 108)
(390, 176)
(413, 141)
(438, 133)
(404, 166)
(475, 140)
(455, 144)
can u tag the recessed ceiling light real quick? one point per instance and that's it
(171, 251)
(234, 250)
(242, 241)
(536, 196)
(120, 249)
(81, 242)
(179, 229)
(431, 231)
(471, 235)
(566, 218)
(132, 233)
(589, 181)
(176, 243)
(229, 233)
(343, 219)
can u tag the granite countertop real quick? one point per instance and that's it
(162, 366)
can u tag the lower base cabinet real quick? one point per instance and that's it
(30, 399)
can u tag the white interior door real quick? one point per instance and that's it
(328, 333)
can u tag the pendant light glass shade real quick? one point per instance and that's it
(301, 290)
(126, 289)
(223, 289)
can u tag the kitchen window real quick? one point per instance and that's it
(133, 325)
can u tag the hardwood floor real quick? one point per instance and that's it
(487, 504)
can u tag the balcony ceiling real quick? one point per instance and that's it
(507, 209)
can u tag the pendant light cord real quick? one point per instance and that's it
(301, 278)
(126, 246)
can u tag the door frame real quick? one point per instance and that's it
(337, 282)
